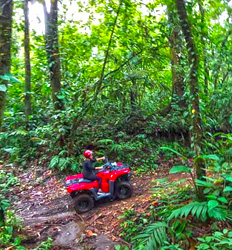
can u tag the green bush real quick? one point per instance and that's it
(216, 241)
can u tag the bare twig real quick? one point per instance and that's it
(80, 217)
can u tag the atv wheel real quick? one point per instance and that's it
(124, 190)
(83, 203)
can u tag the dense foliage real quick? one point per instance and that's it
(120, 80)
(127, 91)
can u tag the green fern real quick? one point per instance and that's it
(196, 209)
(201, 210)
(152, 238)
(54, 161)
(105, 141)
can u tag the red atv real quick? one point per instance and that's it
(115, 184)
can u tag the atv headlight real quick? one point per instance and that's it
(68, 182)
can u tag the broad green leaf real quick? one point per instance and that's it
(209, 178)
(201, 183)
(17, 241)
(210, 157)
(10, 78)
(227, 189)
(20, 248)
(225, 165)
(206, 190)
(223, 200)
(9, 150)
(227, 177)
(5, 204)
(180, 169)
(3, 88)
(212, 204)
(174, 151)
(212, 197)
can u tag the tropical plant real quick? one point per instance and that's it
(216, 241)
(153, 237)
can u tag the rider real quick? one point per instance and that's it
(88, 168)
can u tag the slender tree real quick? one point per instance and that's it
(133, 92)
(178, 85)
(52, 49)
(193, 82)
(5, 49)
(203, 43)
(27, 62)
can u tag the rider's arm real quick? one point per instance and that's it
(101, 158)
(99, 167)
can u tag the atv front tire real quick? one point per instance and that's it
(83, 203)
(124, 190)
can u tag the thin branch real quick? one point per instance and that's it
(121, 66)
(107, 52)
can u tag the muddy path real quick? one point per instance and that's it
(47, 211)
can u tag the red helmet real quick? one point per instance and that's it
(88, 153)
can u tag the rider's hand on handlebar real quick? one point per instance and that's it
(97, 168)
(101, 158)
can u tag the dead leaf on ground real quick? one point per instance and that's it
(89, 233)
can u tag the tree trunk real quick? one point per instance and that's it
(133, 97)
(203, 34)
(5, 49)
(133, 92)
(2, 216)
(27, 62)
(193, 81)
(52, 49)
(178, 85)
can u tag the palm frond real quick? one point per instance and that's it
(152, 237)
(197, 209)
(202, 211)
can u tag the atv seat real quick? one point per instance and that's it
(82, 180)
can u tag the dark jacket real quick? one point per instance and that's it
(88, 168)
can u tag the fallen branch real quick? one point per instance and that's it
(80, 217)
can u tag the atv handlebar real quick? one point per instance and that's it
(109, 166)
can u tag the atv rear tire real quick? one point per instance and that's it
(83, 203)
(124, 190)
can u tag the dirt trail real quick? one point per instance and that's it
(47, 211)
